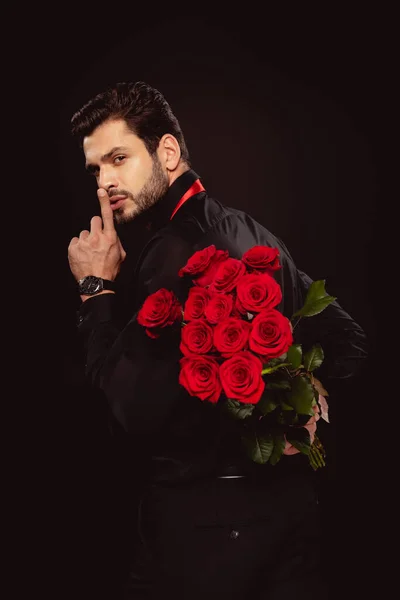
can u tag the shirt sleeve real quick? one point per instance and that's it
(138, 375)
(342, 339)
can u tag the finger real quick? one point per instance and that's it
(121, 248)
(106, 211)
(83, 234)
(74, 241)
(96, 225)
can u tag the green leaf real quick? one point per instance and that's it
(279, 384)
(268, 402)
(285, 406)
(313, 358)
(268, 370)
(316, 307)
(299, 437)
(288, 418)
(303, 419)
(316, 291)
(316, 300)
(258, 447)
(295, 356)
(238, 410)
(301, 395)
(279, 446)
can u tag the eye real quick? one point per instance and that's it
(119, 159)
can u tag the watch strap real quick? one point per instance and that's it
(91, 285)
(109, 285)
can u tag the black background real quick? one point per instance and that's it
(283, 117)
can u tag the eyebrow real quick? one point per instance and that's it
(90, 167)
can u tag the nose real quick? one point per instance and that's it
(107, 178)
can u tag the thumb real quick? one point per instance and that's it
(121, 248)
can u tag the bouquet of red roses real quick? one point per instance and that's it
(239, 349)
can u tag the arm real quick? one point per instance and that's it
(342, 339)
(138, 375)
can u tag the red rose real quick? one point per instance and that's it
(262, 258)
(199, 375)
(159, 310)
(197, 338)
(218, 308)
(231, 336)
(198, 262)
(203, 264)
(207, 277)
(241, 378)
(271, 334)
(227, 276)
(196, 303)
(257, 292)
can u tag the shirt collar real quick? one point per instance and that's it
(160, 213)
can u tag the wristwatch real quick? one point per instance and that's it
(90, 285)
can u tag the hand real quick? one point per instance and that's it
(98, 251)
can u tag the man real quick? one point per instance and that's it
(210, 522)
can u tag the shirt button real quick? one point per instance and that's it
(234, 534)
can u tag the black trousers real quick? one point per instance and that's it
(229, 538)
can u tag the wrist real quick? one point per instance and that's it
(91, 285)
(84, 297)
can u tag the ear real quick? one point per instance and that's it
(169, 152)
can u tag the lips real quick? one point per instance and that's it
(117, 201)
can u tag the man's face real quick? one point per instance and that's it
(119, 160)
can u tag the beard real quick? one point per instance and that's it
(153, 190)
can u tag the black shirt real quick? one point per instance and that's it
(175, 435)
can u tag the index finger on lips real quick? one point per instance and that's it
(106, 211)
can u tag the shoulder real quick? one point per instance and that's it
(204, 221)
(232, 229)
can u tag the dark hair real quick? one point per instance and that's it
(144, 109)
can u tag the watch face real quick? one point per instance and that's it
(90, 285)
